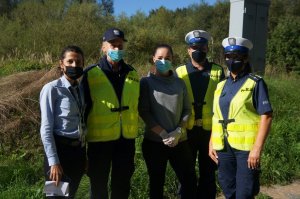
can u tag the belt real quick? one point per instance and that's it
(67, 141)
(224, 125)
(198, 122)
(119, 109)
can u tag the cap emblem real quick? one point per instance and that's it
(116, 32)
(232, 41)
(196, 34)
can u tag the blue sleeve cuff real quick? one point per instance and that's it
(53, 160)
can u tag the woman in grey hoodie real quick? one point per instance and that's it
(164, 107)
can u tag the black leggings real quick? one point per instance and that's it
(156, 155)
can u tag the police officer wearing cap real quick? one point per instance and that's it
(241, 122)
(201, 78)
(112, 91)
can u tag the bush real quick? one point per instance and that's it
(283, 46)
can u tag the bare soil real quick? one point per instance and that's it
(290, 191)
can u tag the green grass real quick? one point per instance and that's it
(22, 177)
(21, 65)
(281, 158)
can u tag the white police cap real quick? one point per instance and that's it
(237, 44)
(197, 37)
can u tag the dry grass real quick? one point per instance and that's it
(19, 112)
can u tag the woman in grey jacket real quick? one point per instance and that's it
(164, 107)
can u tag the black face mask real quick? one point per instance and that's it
(235, 65)
(199, 56)
(74, 72)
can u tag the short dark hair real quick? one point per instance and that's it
(163, 46)
(71, 48)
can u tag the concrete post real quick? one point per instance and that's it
(249, 19)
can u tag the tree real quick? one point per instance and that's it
(284, 44)
(107, 6)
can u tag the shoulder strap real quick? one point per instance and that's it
(254, 77)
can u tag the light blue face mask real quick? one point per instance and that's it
(163, 66)
(115, 55)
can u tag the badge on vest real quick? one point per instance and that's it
(247, 89)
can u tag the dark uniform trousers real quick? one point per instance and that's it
(199, 142)
(236, 179)
(72, 158)
(117, 156)
(156, 155)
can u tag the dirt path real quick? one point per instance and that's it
(291, 191)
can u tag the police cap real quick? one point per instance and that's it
(113, 33)
(197, 37)
(237, 45)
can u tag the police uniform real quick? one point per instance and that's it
(112, 123)
(201, 85)
(238, 104)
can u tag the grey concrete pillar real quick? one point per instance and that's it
(249, 19)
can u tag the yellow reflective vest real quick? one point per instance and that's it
(215, 77)
(107, 118)
(242, 130)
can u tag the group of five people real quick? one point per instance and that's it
(191, 114)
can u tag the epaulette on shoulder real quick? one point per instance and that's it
(254, 77)
(90, 67)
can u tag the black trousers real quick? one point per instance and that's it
(199, 142)
(73, 162)
(156, 155)
(117, 156)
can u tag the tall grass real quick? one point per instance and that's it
(281, 158)
(20, 178)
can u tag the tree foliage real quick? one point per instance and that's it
(45, 26)
(107, 6)
(284, 44)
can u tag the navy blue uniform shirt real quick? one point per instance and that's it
(260, 96)
(199, 80)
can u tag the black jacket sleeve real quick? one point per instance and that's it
(86, 92)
